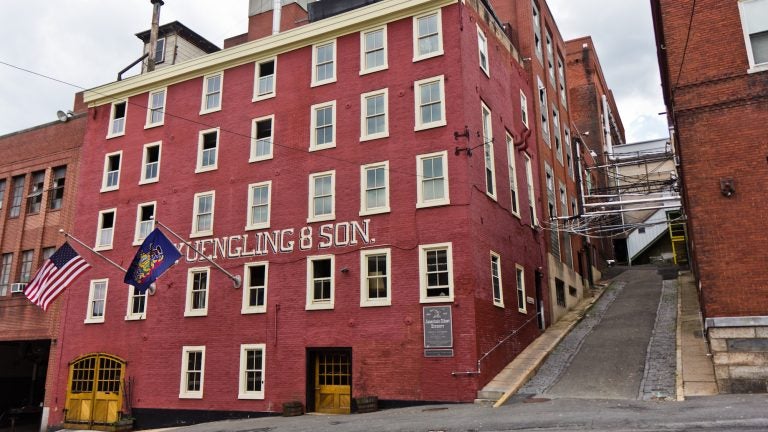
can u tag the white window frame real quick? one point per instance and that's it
(420, 202)
(524, 109)
(205, 94)
(129, 314)
(246, 308)
(537, 30)
(417, 56)
(144, 163)
(89, 317)
(196, 232)
(254, 140)
(419, 124)
(161, 43)
(569, 153)
(250, 224)
(257, 77)
(183, 392)
(364, 135)
(512, 173)
(200, 142)
(488, 153)
(364, 210)
(482, 49)
(243, 393)
(366, 70)
(105, 175)
(521, 298)
(543, 107)
(100, 228)
(311, 303)
(423, 250)
(151, 108)
(531, 190)
(312, 217)
(496, 265)
(550, 57)
(561, 81)
(137, 239)
(365, 300)
(313, 145)
(110, 131)
(189, 311)
(558, 138)
(745, 15)
(315, 81)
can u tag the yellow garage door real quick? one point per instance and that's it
(95, 390)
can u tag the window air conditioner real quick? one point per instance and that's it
(18, 287)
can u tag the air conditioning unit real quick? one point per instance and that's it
(18, 287)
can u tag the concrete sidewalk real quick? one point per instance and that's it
(695, 372)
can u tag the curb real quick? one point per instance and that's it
(679, 387)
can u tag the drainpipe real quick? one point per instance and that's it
(153, 33)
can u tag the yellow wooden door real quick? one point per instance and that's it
(94, 393)
(332, 383)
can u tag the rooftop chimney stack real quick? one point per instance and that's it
(156, 4)
(276, 10)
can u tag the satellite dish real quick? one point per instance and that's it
(63, 117)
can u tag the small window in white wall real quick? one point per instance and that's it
(156, 108)
(375, 277)
(97, 301)
(323, 126)
(262, 136)
(106, 230)
(496, 287)
(432, 180)
(430, 102)
(427, 35)
(150, 163)
(324, 63)
(202, 215)
(265, 80)
(198, 280)
(160, 51)
(137, 304)
(436, 273)
(145, 221)
(252, 366)
(207, 150)
(320, 282)
(255, 288)
(754, 22)
(111, 179)
(373, 50)
(259, 199)
(192, 372)
(322, 187)
(117, 119)
(520, 279)
(374, 188)
(373, 119)
(212, 89)
(482, 48)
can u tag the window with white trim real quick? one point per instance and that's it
(754, 23)
(252, 366)
(550, 57)
(111, 178)
(561, 81)
(432, 180)
(262, 136)
(512, 172)
(46, 254)
(106, 230)
(35, 196)
(198, 280)
(192, 372)
(436, 273)
(556, 131)
(137, 304)
(482, 49)
(520, 279)
(97, 301)
(160, 50)
(569, 152)
(255, 277)
(117, 117)
(202, 214)
(375, 277)
(155, 108)
(320, 282)
(150, 163)
(145, 221)
(430, 102)
(5, 272)
(536, 30)
(427, 35)
(56, 193)
(373, 50)
(322, 190)
(524, 108)
(25, 272)
(374, 113)
(323, 126)
(531, 190)
(324, 63)
(374, 188)
(207, 150)
(490, 162)
(265, 80)
(18, 196)
(496, 287)
(212, 90)
(544, 111)
(259, 200)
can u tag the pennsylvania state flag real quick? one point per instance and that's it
(156, 255)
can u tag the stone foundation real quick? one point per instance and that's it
(740, 358)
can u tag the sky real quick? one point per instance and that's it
(82, 44)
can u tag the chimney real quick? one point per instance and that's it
(276, 10)
(153, 33)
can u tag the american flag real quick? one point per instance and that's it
(58, 271)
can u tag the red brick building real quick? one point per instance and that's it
(713, 64)
(367, 176)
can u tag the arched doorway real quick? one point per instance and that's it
(95, 389)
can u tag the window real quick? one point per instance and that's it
(35, 197)
(197, 291)
(137, 304)
(373, 121)
(569, 152)
(544, 111)
(5, 273)
(498, 294)
(117, 119)
(56, 194)
(524, 108)
(266, 75)
(560, 292)
(106, 230)
(46, 253)
(160, 50)
(320, 282)
(556, 127)
(259, 199)
(25, 272)
(202, 217)
(374, 188)
(97, 301)
(111, 178)
(512, 171)
(150, 163)
(2, 193)
(436, 273)
(255, 288)
(212, 88)
(373, 50)
(323, 63)
(145, 222)
(563, 199)
(262, 135)
(252, 371)
(561, 81)
(207, 150)
(550, 58)
(323, 132)
(375, 281)
(322, 187)
(432, 180)
(428, 38)
(520, 277)
(18, 196)
(482, 48)
(155, 108)
(430, 106)
(531, 190)
(754, 21)
(490, 170)
(536, 30)
(192, 372)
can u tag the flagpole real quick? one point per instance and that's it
(236, 280)
(66, 234)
